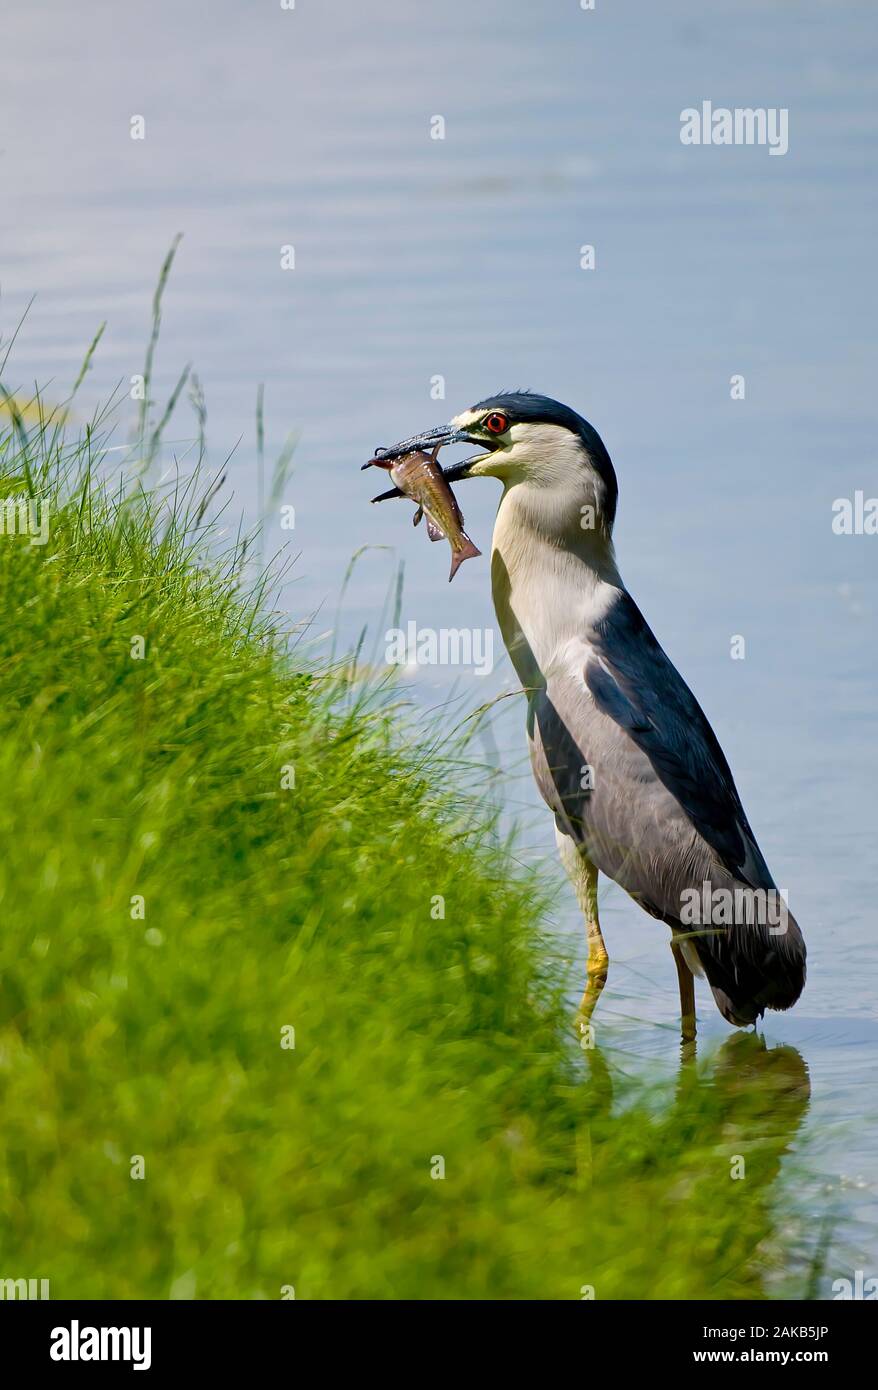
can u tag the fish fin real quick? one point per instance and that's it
(433, 531)
(417, 516)
(467, 552)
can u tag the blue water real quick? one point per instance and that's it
(460, 257)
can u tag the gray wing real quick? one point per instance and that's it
(634, 684)
(663, 813)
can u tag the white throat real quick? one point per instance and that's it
(553, 573)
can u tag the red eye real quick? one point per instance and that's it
(496, 423)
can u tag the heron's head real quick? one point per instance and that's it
(530, 440)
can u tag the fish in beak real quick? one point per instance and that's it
(427, 442)
(418, 475)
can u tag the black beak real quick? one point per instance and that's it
(431, 439)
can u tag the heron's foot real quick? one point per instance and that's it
(687, 994)
(597, 978)
(688, 1051)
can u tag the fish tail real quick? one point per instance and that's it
(467, 551)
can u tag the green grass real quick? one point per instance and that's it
(416, 1035)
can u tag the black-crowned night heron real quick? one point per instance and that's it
(620, 748)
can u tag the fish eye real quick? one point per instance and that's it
(495, 423)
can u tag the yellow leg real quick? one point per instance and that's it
(597, 977)
(686, 981)
(584, 877)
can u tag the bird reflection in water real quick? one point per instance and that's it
(711, 1162)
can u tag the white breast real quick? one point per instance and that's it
(547, 595)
